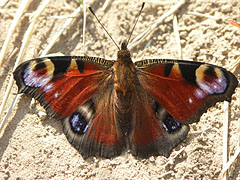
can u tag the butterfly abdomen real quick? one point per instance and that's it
(123, 112)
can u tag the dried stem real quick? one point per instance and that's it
(177, 36)
(23, 6)
(203, 15)
(84, 24)
(23, 48)
(152, 28)
(225, 136)
(106, 4)
(59, 33)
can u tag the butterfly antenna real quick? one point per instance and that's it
(136, 22)
(103, 26)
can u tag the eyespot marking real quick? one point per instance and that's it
(211, 79)
(78, 123)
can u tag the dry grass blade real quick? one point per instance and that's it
(177, 36)
(239, 125)
(59, 33)
(165, 174)
(17, 18)
(204, 15)
(12, 53)
(84, 24)
(238, 144)
(14, 102)
(227, 165)
(234, 158)
(170, 160)
(152, 28)
(23, 48)
(225, 136)
(3, 122)
(177, 153)
(106, 4)
(235, 66)
(231, 161)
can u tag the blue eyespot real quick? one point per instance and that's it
(78, 123)
(170, 125)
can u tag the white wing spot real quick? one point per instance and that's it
(85, 129)
(206, 87)
(48, 88)
(190, 100)
(199, 94)
(56, 95)
(219, 80)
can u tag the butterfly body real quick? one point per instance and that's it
(108, 106)
(124, 73)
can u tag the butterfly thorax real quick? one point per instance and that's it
(124, 71)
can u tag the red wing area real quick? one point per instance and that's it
(146, 128)
(100, 136)
(61, 84)
(149, 137)
(68, 92)
(187, 89)
(173, 94)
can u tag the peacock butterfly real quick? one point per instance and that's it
(109, 106)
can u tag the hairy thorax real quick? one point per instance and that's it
(123, 77)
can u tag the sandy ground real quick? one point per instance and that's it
(32, 148)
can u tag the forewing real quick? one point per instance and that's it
(185, 89)
(62, 84)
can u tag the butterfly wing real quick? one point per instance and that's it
(63, 83)
(185, 89)
(77, 90)
(155, 131)
(173, 94)
(93, 128)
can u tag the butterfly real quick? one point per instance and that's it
(110, 106)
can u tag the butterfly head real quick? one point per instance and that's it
(124, 54)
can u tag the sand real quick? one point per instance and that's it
(34, 147)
